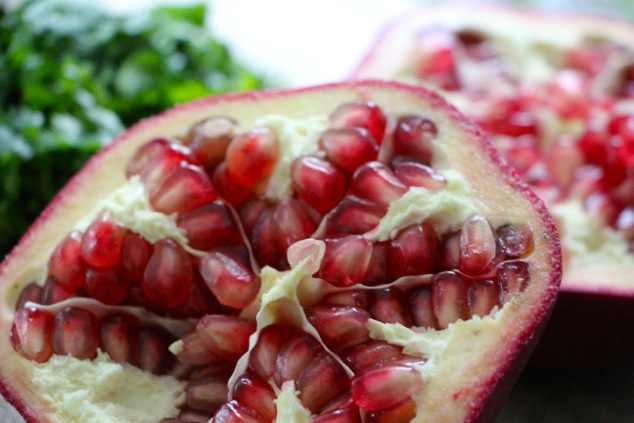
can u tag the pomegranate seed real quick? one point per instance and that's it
(413, 251)
(154, 357)
(342, 402)
(339, 326)
(209, 140)
(255, 393)
(75, 333)
(200, 300)
(263, 356)
(477, 246)
(251, 156)
(147, 152)
(251, 211)
(229, 190)
(318, 182)
(264, 240)
(482, 296)
(389, 305)
(52, 293)
(292, 223)
(360, 114)
(31, 333)
(135, 254)
(438, 66)
(448, 298)
(385, 384)
(194, 350)
(31, 293)
(183, 189)
(338, 416)
(162, 164)
(516, 240)
(563, 160)
(376, 182)
(168, 275)
(418, 175)
(413, 138)
(66, 265)
(322, 380)
(449, 252)
(421, 308)
(513, 278)
(117, 333)
(349, 148)
(368, 353)
(354, 215)
(352, 298)
(232, 283)
(227, 336)
(209, 226)
(509, 118)
(378, 270)
(401, 412)
(234, 412)
(346, 260)
(523, 154)
(106, 285)
(102, 242)
(208, 393)
(293, 357)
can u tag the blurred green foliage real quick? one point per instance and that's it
(73, 77)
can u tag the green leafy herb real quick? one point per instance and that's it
(72, 78)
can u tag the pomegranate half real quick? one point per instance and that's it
(343, 253)
(556, 92)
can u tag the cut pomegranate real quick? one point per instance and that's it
(560, 113)
(358, 254)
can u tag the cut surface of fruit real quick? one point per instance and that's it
(406, 278)
(556, 92)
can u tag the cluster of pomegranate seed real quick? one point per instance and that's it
(184, 308)
(570, 136)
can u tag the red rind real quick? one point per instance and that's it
(482, 382)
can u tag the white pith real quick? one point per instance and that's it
(500, 204)
(532, 45)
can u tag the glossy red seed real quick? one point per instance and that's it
(360, 114)
(135, 254)
(117, 333)
(318, 182)
(66, 265)
(339, 326)
(338, 416)
(438, 66)
(153, 355)
(200, 300)
(252, 155)
(294, 356)
(376, 182)
(255, 393)
(292, 223)
(516, 240)
(232, 283)
(513, 277)
(185, 188)
(31, 293)
(419, 175)
(384, 385)
(227, 336)
(209, 139)
(264, 240)
(145, 153)
(346, 260)
(354, 215)
(52, 293)
(477, 246)
(106, 285)
(228, 189)
(389, 305)
(31, 332)
(162, 164)
(208, 393)
(378, 272)
(195, 350)
(413, 137)
(402, 412)
(349, 148)
(449, 252)
(209, 226)
(413, 251)
(75, 333)
(353, 298)
(263, 356)
(421, 308)
(368, 353)
(322, 380)
(168, 275)
(449, 300)
(102, 242)
(482, 297)
(234, 412)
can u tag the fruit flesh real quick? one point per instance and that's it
(558, 106)
(286, 292)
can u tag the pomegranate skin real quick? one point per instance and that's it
(593, 339)
(481, 384)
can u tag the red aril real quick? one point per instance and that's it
(312, 282)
